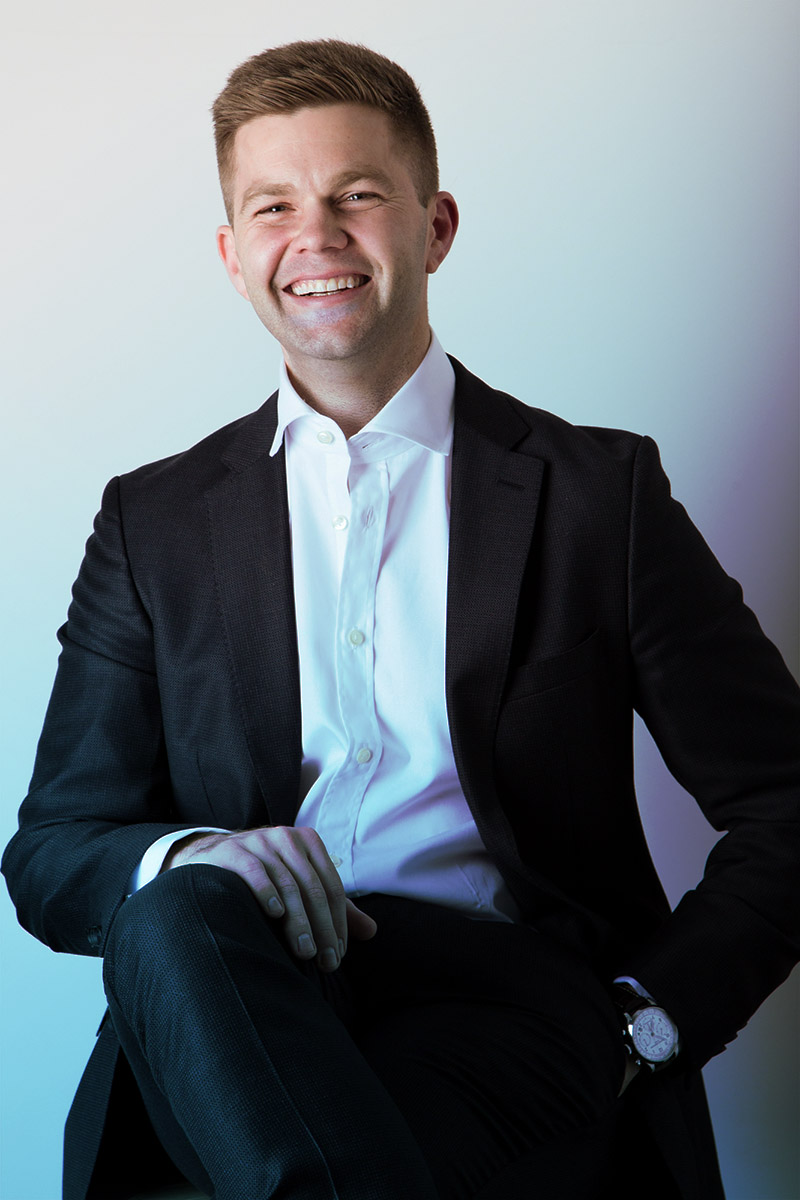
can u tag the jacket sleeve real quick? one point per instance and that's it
(100, 792)
(725, 714)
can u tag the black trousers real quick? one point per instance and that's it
(446, 1058)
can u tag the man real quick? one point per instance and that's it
(337, 771)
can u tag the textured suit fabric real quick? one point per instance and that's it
(578, 590)
(487, 1042)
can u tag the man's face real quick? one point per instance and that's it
(329, 240)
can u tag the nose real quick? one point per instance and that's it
(320, 228)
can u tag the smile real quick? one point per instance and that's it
(324, 287)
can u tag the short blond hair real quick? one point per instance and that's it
(312, 74)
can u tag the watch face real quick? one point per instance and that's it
(653, 1035)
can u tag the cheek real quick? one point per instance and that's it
(260, 261)
(258, 280)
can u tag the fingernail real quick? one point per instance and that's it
(305, 945)
(274, 906)
(341, 948)
(328, 960)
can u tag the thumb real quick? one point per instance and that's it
(359, 924)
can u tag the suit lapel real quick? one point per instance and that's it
(251, 549)
(494, 499)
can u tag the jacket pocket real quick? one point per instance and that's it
(554, 672)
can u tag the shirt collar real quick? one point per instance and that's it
(421, 412)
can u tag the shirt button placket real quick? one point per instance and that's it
(356, 620)
(337, 461)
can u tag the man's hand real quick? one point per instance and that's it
(292, 877)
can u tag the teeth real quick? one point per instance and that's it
(321, 287)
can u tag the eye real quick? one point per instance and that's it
(360, 197)
(271, 209)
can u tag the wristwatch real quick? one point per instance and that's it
(648, 1031)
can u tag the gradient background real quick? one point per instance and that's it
(627, 175)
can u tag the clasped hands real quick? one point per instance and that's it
(290, 873)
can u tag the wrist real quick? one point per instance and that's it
(649, 1033)
(183, 850)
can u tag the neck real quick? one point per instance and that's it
(351, 393)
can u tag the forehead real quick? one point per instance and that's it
(313, 143)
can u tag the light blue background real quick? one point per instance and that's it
(627, 175)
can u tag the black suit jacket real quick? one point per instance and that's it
(578, 591)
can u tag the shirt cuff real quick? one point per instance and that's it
(637, 987)
(153, 858)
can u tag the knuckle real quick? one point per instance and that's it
(279, 833)
(316, 895)
(239, 857)
(286, 884)
(251, 868)
(296, 923)
(271, 839)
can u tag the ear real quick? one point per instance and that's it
(226, 245)
(443, 212)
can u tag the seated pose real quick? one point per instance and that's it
(337, 770)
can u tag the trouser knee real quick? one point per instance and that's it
(162, 934)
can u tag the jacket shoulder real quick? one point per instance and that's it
(537, 431)
(232, 446)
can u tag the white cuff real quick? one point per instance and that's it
(153, 858)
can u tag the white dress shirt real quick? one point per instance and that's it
(370, 520)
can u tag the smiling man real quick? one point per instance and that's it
(336, 774)
(332, 239)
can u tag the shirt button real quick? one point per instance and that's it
(340, 522)
(337, 862)
(325, 436)
(364, 755)
(356, 637)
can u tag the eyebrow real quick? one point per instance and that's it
(263, 189)
(366, 172)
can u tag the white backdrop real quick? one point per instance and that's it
(627, 174)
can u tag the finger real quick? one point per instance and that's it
(314, 901)
(332, 883)
(297, 927)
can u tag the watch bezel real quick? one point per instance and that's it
(646, 1012)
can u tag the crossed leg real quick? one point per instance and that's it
(446, 1059)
